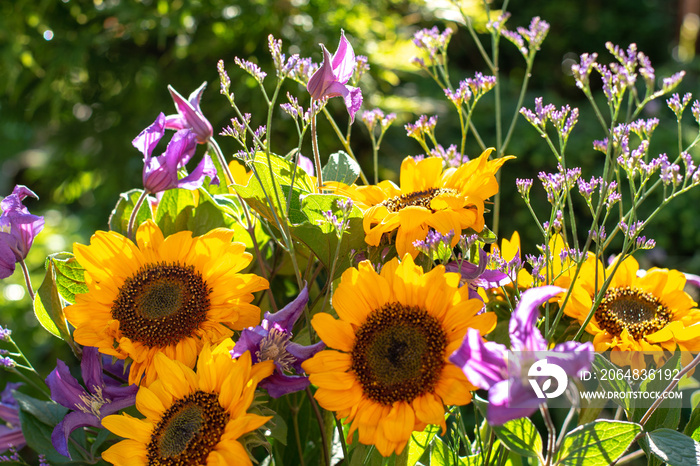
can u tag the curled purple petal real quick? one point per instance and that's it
(189, 115)
(509, 400)
(288, 315)
(148, 139)
(524, 335)
(484, 363)
(65, 389)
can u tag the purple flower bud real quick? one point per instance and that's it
(677, 105)
(18, 228)
(189, 115)
(582, 70)
(524, 186)
(330, 80)
(672, 82)
(252, 69)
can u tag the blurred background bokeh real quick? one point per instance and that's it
(79, 79)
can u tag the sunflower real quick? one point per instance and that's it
(428, 197)
(639, 312)
(162, 295)
(191, 418)
(387, 371)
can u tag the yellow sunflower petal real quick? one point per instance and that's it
(126, 453)
(128, 427)
(336, 334)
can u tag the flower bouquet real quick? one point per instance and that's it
(272, 308)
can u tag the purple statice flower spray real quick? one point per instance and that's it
(377, 123)
(508, 374)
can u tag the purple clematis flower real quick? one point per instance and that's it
(160, 173)
(103, 395)
(477, 276)
(10, 430)
(189, 115)
(330, 80)
(17, 229)
(271, 341)
(503, 373)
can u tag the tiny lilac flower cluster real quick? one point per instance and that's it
(475, 87)
(534, 36)
(423, 126)
(563, 119)
(555, 184)
(433, 42)
(434, 240)
(374, 117)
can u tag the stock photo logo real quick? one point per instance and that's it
(553, 372)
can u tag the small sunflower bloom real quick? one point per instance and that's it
(638, 313)
(387, 370)
(428, 197)
(162, 295)
(192, 418)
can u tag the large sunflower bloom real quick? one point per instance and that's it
(191, 418)
(162, 295)
(387, 371)
(428, 198)
(650, 312)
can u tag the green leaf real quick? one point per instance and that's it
(674, 448)
(520, 436)
(320, 236)
(597, 443)
(205, 217)
(48, 307)
(603, 366)
(70, 276)
(668, 414)
(691, 428)
(440, 454)
(278, 428)
(271, 186)
(341, 168)
(38, 437)
(175, 211)
(47, 412)
(419, 442)
(119, 218)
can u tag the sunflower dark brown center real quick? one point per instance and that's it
(640, 312)
(417, 198)
(161, 304)
(188, 431)
(398, 353)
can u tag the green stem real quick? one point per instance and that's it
(222, 161)
(314, 146)
(134, 214)
(27, 280)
